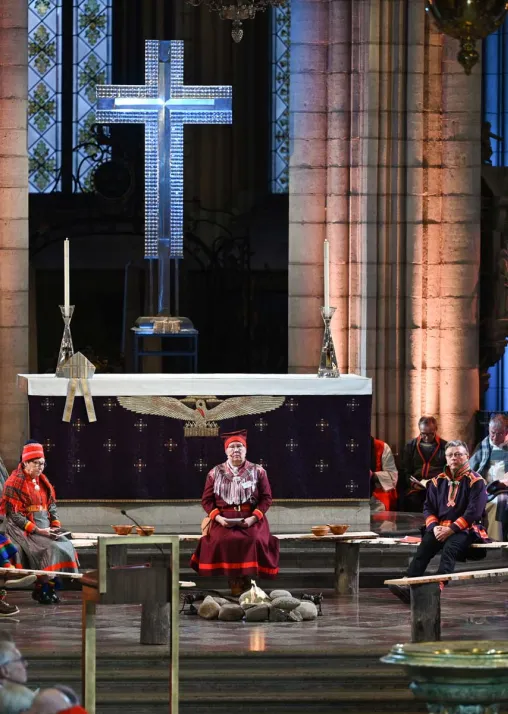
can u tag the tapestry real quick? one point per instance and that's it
(161, 448)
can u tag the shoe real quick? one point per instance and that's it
(19, 583)
(54, 598)
(7, 610)
(403, 593)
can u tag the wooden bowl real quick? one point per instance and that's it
(145, 530)
(320, 530)
(338, 529)
(122, 530)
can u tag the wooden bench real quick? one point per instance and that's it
(347, 551)
(426, 598)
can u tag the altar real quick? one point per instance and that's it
(157, 435)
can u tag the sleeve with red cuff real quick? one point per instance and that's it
(430, 507)
(264, 494)
(208, 497)
(475, 507)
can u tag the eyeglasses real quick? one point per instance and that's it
(456, 455)
(39, 464)
(23, 661)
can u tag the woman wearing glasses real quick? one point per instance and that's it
(237, 542)
(31, 522)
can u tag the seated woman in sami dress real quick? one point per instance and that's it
(31, 522)
(241, 548)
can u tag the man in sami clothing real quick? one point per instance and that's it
(422, 459)
(31, 522)
(453, 510)
(236, 497)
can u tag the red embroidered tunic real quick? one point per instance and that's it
(237, 551)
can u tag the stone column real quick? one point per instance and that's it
(398, 169)
(307, 180)
(13, 224)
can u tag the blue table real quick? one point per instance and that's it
(189, 348)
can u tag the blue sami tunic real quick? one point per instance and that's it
(457, 501)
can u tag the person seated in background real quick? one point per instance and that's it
(4, 475)
(454, 505)
(31, 522)
(13, 666)
(383, 476)
(15, 698)
(8, 558)
(423, 458)
(490, 460)
(236, 539)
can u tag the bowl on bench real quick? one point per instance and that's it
(122, 530)
(338, 528)
(320, 530)
(145, 530)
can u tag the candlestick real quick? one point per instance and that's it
(328, 361)
(67, 300)
(66, 346)
(326, 274)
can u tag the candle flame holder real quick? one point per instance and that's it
(328, 362)
(66, 346)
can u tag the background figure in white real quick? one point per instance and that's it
(490, 460)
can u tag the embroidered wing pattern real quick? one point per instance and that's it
(173, 408)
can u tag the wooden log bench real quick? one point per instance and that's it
(426, 598)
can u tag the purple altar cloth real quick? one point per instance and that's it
(313, 448)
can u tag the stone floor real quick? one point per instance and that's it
(375, 620)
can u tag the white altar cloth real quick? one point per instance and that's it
(119, 385)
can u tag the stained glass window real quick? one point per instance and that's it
(92, 66)
(495, 92)
(281, 32)
(77, 36)
(44, 95)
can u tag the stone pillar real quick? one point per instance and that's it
(13, 224)
(397, 168)
(307, 180)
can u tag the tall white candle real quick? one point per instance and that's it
(67, 301)
(326, 273)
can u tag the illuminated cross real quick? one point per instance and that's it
(164, 105)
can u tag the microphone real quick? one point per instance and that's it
(124, 513)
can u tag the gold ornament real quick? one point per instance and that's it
(468, 21)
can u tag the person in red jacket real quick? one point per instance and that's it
(238, 542)
(383, 475)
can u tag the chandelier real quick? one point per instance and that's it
(468, 21)
(237, 11)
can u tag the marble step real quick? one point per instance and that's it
(251, 683)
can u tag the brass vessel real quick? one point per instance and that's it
(468, 21)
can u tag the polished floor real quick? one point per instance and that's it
(374, 621)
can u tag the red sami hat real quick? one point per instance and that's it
(32, 451)
(233, 436)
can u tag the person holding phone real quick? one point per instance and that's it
(31, 522)
(238, 542)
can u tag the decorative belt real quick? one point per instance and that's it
(34, 509)
(243, 507)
